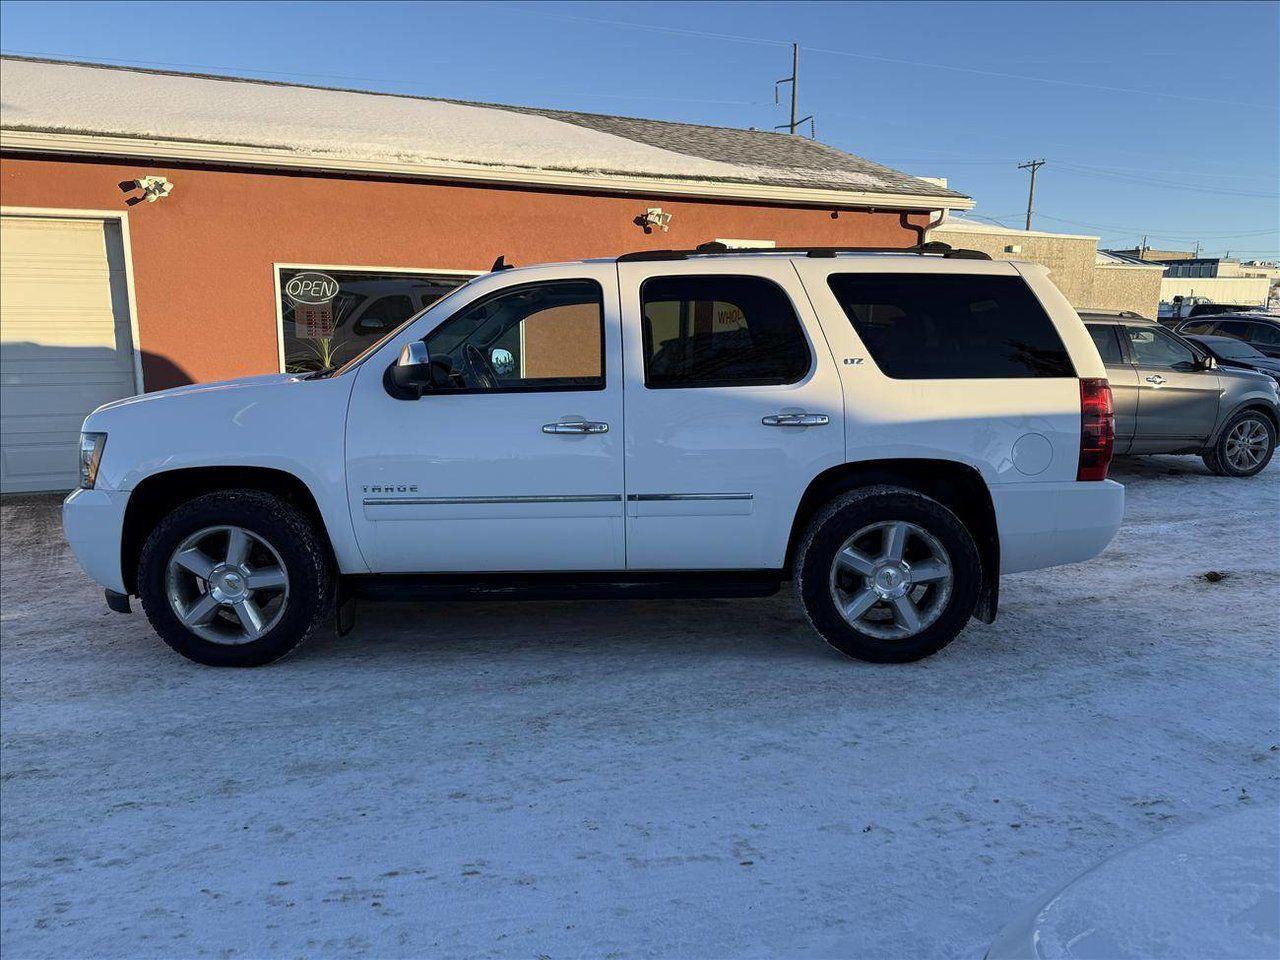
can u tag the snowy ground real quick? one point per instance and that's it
(630, 779)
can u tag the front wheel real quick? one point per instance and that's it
(234, 579)
(888, 575)
(1244, 447)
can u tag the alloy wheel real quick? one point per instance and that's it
(891, 579)
(1246, 445)
(227, 585)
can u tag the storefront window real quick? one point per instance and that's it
(329, 316)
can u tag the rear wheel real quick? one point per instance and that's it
(234, 579)
(888, 575)
(1244, 447)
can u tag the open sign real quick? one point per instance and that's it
(311, 288)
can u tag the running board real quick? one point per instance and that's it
(663, 585)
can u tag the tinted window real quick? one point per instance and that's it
(720, 332)
(1265, 333)
(1104, 338)
(1152, 347)
(1249, 331)
(1202, 326)
(538, 336)
(932, 327)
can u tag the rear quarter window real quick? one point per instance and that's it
(942, 327)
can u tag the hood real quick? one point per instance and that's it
(1270, 364)
(160, 396)
(1246, 373)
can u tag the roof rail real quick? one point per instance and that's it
(933, 248)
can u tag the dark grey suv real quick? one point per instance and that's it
(1170, 396)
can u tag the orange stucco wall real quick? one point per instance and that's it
(203, 256)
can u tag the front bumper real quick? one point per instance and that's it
(1045, 524)
(93, 521)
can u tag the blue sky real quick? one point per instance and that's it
(1155, 118)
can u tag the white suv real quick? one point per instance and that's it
(891, 430)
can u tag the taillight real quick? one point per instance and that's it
(1097, 429)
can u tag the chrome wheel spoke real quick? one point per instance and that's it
(250, 618)
(860, 603)
(855, 560)
(202, 611)
(926, 571)
(195, 560)
(237, 546)
(266, 578)
(895, 541)
(905, 614)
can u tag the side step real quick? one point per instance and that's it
(565, 586)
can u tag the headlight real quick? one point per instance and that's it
(91, 445)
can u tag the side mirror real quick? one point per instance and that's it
(1209, 363)
(411, 374)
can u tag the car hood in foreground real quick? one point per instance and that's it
(193, 388)
(1207, 891)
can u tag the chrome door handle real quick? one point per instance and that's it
(576, 426)
(1157, 379)
(796, 420)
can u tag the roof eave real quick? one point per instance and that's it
(102, 145)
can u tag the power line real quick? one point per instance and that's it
(736, 38)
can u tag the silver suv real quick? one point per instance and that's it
(1172, 397)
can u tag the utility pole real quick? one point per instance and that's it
(794, 80)
(1033, 166)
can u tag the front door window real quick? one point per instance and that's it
(540, 336)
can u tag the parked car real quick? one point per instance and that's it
(1261, 331)
(891, 432)
(1204, 891)
(1230, 352)
(1171, 313)
(1171, 396)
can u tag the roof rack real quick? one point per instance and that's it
(933, 248)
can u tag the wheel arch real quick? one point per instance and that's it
(958, 486)
(158, 494)
(1251, 403)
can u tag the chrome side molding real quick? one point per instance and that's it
(651, 497)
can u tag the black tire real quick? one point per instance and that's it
(1216, 458)
(846, 516)
(287, 531)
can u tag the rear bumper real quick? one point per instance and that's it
(93, 521)
(1045, 524)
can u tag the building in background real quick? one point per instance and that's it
(163, 228)
(1150, 253)
(1190, 280)
(1089, 278)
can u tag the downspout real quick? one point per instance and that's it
(922, 233)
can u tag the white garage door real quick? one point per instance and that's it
(65, 345)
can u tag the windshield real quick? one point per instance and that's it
(368, 351)
(1236, 350)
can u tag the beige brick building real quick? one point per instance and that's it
(1090, 279)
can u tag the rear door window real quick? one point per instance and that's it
(720, 331)
(1104, 338)
(942, 327)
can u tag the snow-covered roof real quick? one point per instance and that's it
(174, 115)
